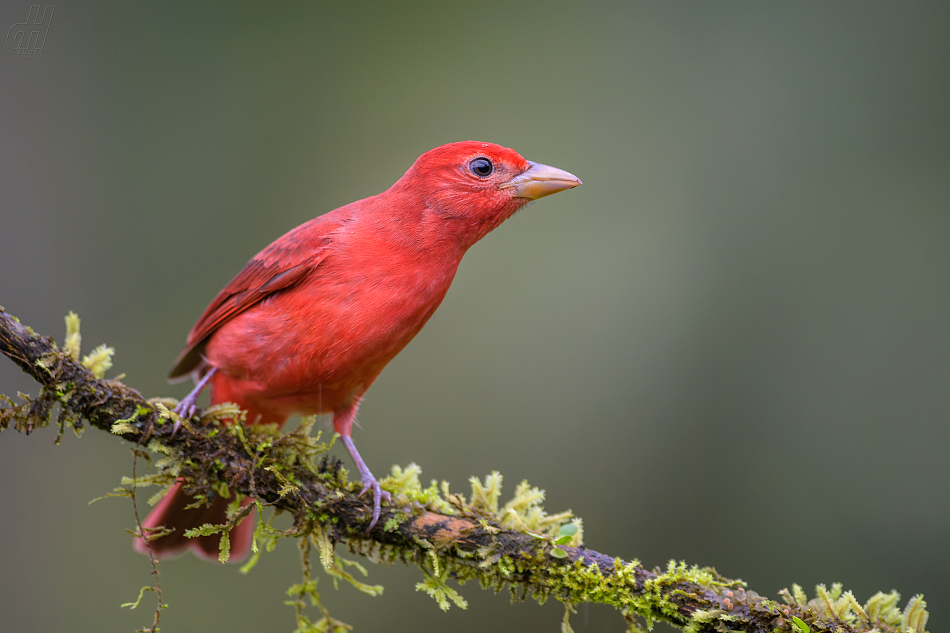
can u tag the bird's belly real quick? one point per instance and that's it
(314, 349)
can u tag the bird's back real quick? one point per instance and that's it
(364, 292)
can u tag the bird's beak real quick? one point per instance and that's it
(540, 180)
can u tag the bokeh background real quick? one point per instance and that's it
(730, 346)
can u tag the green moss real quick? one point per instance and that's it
(438, 590)
(393, 522)
(880, 612)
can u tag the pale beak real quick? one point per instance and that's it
(540, 180)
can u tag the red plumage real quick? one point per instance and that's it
(310, 322)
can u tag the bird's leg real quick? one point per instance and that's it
(342, 424)
(369, 482)
(186, 408)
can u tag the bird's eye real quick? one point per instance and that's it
(481, 167)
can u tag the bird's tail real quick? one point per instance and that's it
(173, 512)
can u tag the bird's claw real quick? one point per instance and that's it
(370, 483)
(185, 409)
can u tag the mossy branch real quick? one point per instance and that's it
(441, 533)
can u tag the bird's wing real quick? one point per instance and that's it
(279, 266)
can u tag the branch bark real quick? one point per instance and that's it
(467, 544)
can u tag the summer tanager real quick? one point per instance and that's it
(310, 322)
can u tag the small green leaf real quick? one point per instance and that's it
(564, 539)
(568, 529)
(801, 625)
(557, 552)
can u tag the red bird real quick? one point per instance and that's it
(311, 321)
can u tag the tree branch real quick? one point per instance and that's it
(450, 538)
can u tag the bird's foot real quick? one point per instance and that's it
(185, 409)
(370, 483)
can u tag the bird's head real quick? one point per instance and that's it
(473, 187)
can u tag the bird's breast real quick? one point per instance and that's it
(329, 336)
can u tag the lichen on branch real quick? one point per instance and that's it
(451, 537)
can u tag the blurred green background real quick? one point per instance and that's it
(730, 346)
